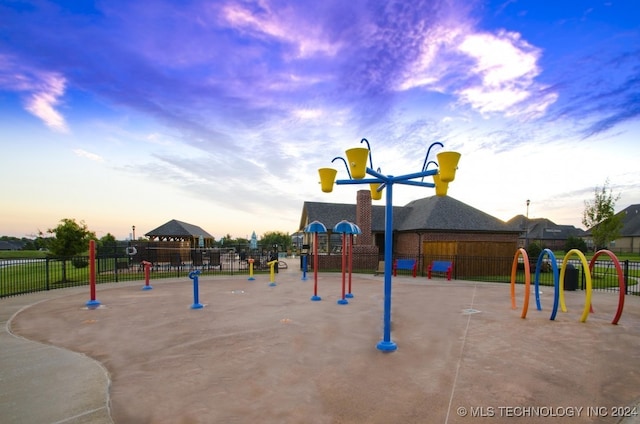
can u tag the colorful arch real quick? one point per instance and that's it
(587, 303)
(621, 282)
(556, 281)
(527, 281)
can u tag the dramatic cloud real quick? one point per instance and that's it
(247, 98)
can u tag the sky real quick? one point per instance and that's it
(123, 113)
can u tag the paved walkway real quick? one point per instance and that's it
(41, 383)
(268, 354)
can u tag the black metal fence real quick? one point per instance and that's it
(18, 276)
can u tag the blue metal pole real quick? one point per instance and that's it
(386, 344)
(304, 268)
(196, 302)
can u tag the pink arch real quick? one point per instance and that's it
(616, 262)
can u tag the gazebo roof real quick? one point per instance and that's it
(175, 229)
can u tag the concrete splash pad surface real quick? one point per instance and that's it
(256, 353)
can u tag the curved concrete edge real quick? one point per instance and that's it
(42, 383)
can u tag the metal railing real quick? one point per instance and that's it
(19, 276)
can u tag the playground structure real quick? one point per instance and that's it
(558, 281)
(315, 227)
(349, 229)
(356, 165)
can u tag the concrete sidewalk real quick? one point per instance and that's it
(42, 383)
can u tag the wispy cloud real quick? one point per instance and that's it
(41, 90)
(604, 94)
(88, 155)
(43, 101)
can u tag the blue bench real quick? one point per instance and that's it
(440, 266)
(406, 264)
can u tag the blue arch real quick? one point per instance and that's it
(556, 281)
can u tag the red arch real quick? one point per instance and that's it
(621, 284)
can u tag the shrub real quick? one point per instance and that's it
(575, 243)
(79, 262)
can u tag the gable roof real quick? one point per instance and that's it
(332, 213)
(545, 229)
(447, 214)
(178, 229)
(431, 213)
(630, 221)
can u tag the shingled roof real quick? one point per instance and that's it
(630, 221)
(332, 213)
(431, 213)
(447, 214)
(175, 229)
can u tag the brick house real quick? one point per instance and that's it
(426, 229)
(544, 232)
(629, 240)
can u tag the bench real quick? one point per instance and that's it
(406, 264)
(440, 266)
(380, 269)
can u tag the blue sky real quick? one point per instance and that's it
(219, 113)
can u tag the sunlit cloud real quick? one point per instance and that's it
(307, 113)
(42, 102)
(506, 66)
(281, 24)
(491, 72)
(88, 155)
(41, 90)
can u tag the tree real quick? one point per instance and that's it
(533, 251)
(271, 238)
(575, 243)
(599, 216)
(107, 244)
(70, 238)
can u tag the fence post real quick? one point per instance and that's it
(115, 265)
(626, 276)
(46, 272)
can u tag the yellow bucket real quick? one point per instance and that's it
(441, 187)
(448, 164)
(327, 178)
(357, 158)
(375, 194)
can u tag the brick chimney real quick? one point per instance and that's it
(363, 217)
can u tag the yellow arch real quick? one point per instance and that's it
(527, 281)
(587, 273)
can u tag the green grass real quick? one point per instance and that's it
(22, 254)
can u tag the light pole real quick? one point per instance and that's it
(357, 169)
(133, 231)
(526, 230)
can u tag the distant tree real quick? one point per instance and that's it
(70, 238)
(107, 244)
(600, 218)
(226, 240)
(533, 251)
(575, 243)
(272, 238)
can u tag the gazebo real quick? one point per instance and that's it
(177, 242)
(175, 230)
